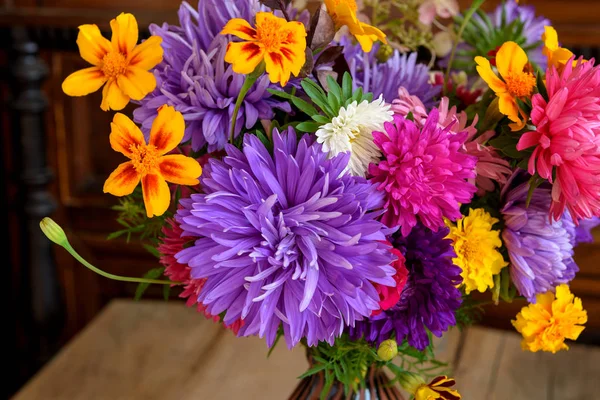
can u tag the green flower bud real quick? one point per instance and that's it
(384, 53)
(388, 349)
(53, 231)
(410, 381)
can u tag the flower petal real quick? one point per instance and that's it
(125, 133)
(487, 74)
(136, 82)
(113, 97)
(240, 28)
(124, 33)
(92, 45)
(83, 82)
(123, 180)
(167, 129)
(147, 54)
(550, 38)
(276, 68)
(244, 56)
(156, 195)
(180, 169)
(508, 107)
(510, 58)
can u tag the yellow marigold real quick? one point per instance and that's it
(517, 81)
(120, 64)
(281, 44)
(546, 324)
(476, 245)
(557, 56)
(343, 12)
(149, 162)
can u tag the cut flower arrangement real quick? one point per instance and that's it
(343, 180)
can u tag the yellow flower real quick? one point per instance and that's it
(546, 324)
(281, 44)
(150, 163)
(476, 244)
(517, 81)
(120, 64)
(438, 388)
(557, 56)
(343, 12)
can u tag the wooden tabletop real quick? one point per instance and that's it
(158, 350)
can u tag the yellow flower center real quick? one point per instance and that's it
(144, 158)
(114, 64)
(520, 84)
(271, 34)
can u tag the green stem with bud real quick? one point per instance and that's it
(55, 233)
(249, 80)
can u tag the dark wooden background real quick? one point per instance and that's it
(56, 156)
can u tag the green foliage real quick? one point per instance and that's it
(506, 143)
(132, 216)
(154, 273)
(470, 312)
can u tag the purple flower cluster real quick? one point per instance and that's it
(194, 78)
(429, 299)
(286, 240)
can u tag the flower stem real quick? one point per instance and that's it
(55, 233)
(248, 82)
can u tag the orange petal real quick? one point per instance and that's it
(156, 194)
(487, 74)
(510, 58)
(167, 129)
(113, 97)
(136, 82)
(508, 107)
(180, 169)
(276, 68)
(92, 45)
(83, 82)
(147, 54)
(240, 28)
(124, 134)
(124, 33)
(294, 59)
(244, 56)
(123, 180)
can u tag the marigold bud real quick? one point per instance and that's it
(53, 231)
(388, 349)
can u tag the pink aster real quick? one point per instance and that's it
(424, 173)
(567, 139)
(490, 166)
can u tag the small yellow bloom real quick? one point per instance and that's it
(546, 324)
(438, 388)
(150, 163)
(281, 44)
(476, 245)
(120, 64)
(517, 81)
(343, 12)
(557, 56)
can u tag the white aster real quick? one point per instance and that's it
(352, 131)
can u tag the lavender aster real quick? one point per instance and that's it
(540, 250)
(286, 239)
(385, 78)
(194, 78)
(429, 299)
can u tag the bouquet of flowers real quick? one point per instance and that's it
(347, 176)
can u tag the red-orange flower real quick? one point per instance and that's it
(149, 162)
(281, 44)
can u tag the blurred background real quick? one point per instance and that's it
(56, 156)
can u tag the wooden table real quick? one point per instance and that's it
(157, 350)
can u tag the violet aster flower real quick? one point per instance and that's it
(424, 173)
(509, 22)
(540, 250)
(583, 231)
(385, 78)
(429, 299)
(194, 78)
(286, 239)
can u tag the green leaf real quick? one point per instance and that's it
(347, 86)
(317, 95)
(313, 371)
(541, 87)
(304, 106)
(334, 89)
(152, 250)
(154, 273)
(321, 119)
(166, 292)
(308, 126)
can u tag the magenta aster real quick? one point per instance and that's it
(424, 173)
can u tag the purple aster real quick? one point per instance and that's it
(194, 78)
(286, 239)
(400, 70)
(429, 299)
(583, 232)
(540, 250)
